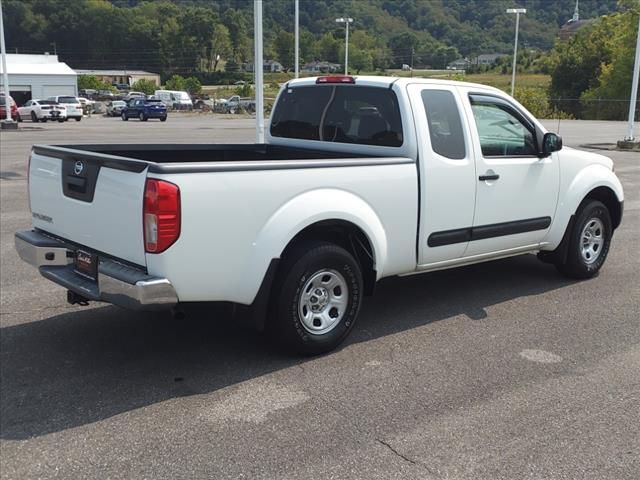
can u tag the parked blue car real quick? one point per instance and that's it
(144, 110)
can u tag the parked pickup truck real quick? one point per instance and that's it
(361, 178)
(235, 104)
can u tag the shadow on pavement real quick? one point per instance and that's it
(87, 365)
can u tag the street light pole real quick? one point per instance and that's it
(517, 11)
(5, 73)
(347, 21)
(297, 42)
(634, 89)
(257, 67)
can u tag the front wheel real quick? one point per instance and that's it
(124, 117)
(316, 298)
(78, 119)
(163, 119)
(588, 242)
(142, 117)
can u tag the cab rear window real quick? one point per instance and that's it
(339, 113)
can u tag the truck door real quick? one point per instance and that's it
(517, 191)
(447, 173)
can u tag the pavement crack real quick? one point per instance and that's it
(397, 453)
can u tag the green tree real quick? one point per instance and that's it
(284, 49)
(192, 85)
(236, 23)
(145, 86)
(176, 82)
(91, 82)
(361, 60)
(328, 48)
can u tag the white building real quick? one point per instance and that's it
(38, 76)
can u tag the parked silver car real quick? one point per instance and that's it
(115, 108)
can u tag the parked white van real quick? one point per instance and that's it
(175, 99)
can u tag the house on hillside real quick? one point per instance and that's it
(268, 66)
(488, 58)
(321, 67)
(459, 64)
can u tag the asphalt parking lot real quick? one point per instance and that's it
(503, 370)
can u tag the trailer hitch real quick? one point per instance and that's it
(76, 299)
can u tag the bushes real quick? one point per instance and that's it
(91, 82)
(536, 100)
(147, 87)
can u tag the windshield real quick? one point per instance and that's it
(67, 100)
(339, 113)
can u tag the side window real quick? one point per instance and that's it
(445, 126)
(28, 104)
(502, 131)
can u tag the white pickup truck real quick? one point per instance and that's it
(361, 178)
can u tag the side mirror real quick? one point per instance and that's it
(551, 143)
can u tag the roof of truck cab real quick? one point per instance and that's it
(380, 81)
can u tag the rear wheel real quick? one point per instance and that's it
(316, 298)
(163, 119)
(78, 119)
(34, 117)
(588, 242)
(18, 118)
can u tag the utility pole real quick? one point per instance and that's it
(412, 52)
(297, 35)
(257, 67)
(7, 123)
(517, 11)
(634, 90)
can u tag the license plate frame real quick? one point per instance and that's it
(86, 264)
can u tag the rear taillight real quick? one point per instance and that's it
(336, 79)
(161, 215)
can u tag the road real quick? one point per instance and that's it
(497, 371)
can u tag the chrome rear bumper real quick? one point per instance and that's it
(117, 283)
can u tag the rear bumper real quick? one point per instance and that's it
(119, 284)
(156, 114)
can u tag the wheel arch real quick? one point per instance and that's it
(593, 182)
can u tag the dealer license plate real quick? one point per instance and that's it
(86, 264)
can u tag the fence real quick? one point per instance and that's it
(580, 108)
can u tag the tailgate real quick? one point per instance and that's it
(88, 198)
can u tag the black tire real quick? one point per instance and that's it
(43, 120)
(61, 120)
(309, 261)
(124, 117)
(78, 119)
(18, 118)
(34, 117)
(592, 215)
(163, 119)
(142, 117)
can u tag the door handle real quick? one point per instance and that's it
(487, 176)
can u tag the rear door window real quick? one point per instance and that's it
(445, 126)
(339, 113)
